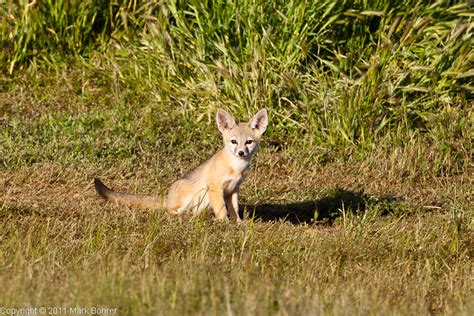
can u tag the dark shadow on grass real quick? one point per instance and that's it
(321, 211)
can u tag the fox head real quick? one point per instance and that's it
(242, 139)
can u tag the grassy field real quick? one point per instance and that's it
(359, 202)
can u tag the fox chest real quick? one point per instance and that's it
(232, 183)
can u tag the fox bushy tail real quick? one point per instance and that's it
(139, 201)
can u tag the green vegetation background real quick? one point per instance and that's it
(342, 76)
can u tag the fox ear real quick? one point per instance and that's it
(224, 121)
(259, 122)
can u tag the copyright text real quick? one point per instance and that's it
(56, 310)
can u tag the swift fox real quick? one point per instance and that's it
(215, 183)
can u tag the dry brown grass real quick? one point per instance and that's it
(63, 246)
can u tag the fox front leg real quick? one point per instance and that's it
(217, 204)
(232, 202)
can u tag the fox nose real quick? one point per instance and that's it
(241, 153)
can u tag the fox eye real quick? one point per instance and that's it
(248, 142)
(233, 141)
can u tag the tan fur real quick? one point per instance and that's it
(216, 182)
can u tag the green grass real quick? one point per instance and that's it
(360, 201)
